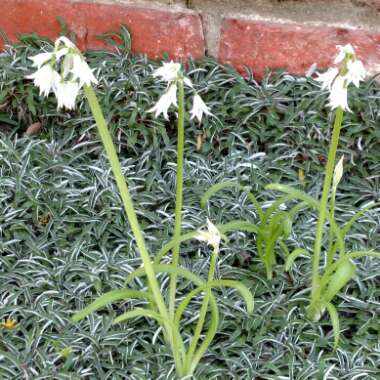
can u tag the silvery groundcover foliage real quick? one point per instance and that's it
(64, 239)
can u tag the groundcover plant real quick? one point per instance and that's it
(63, 72)
(64, 240)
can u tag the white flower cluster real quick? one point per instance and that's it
(170, 72)
(63, 72)
(336, 80)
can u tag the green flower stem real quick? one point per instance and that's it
(330, 252)
(203, 311)
(179, 194)
(132, 218)
(315, 286)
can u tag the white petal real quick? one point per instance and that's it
(327, 78)
(355, 72)
(82, 71)
(202, 236)
(40, 59)
(45, 78)
(212, 236)
(165, 101)
(199, 108)
(338, 94)
(61, 52)
(66, 93)
(168, 71)
(343, 51)
(65, 41)
(188, 82)
(67, 65)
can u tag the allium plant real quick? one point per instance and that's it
(64, 72)
(273, 228)
(338, 268)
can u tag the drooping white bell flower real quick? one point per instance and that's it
(82, 71)
(343, 52)
(355, 72)
(165, 101)
(199, 108)
(212, 236)
(66, 93)
(188, 82)
(42, 58)
(168, 72)
(63, 71)
(337, 79)
(46, 78)
(327, 78)
(338, 94)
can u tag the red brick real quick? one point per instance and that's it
(154, 32)
(294, 47)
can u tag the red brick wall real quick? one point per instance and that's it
(290, 34)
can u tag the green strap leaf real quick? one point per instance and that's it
(299, 194)
(110, 297)
(166, 268)
(137, 313)
(292, 257)
(335, 322)
(339, 279)
(213, 328)
(275, 206)
(241, 288)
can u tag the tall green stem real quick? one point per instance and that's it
(179, 194)
(132, 218)
(203, 311)
(315, 286)
(330, 252)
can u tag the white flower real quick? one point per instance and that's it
(328, 78)
(338, 94)
(168, 72)
(82, 71)
(355, 72)
(165, 101)
(73, 68)
(40, 59)
(188, 82)
(199, 108)
(211, 237)
(65, 41)
(66, 93)
(45, 78)
(338, 173)
(343, 51)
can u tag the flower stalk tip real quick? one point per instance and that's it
(171, 73)
(63, 72)
(212, 236)
(337, 79)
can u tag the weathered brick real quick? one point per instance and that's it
(154, 31)
(295, 47)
